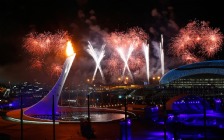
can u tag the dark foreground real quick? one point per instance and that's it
(141, 129)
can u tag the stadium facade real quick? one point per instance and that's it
(187, 82)
(207, 73)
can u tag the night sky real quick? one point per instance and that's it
(89, 20)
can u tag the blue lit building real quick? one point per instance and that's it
(191, 83)
(207, 73)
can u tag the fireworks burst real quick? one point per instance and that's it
(196, 41)
(55, 69)
(135, 36)
(38, 44)
(45, 48)
(127, 43)
(36, 64)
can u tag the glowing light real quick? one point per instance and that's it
(69, 49)
(129, 121)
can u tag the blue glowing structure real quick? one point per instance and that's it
(206, 67)
(189, 104)
(44, 106)
(218, 105)
(125, 127)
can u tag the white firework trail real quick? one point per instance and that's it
(146, 53)
(125, 59)
(97, 56)
(162, 56)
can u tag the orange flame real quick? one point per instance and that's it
(69, 49)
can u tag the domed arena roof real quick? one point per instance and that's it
(206, 67)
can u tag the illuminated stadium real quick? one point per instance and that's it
(203, 79)
(208, 73)
(194, 92)
(200, 79)
(190, 99)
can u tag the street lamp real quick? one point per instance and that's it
(119, 80)
(126, 80)
(21, 115)
(88, 94)
(126, 124)
(88, 80)
(86, 127)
